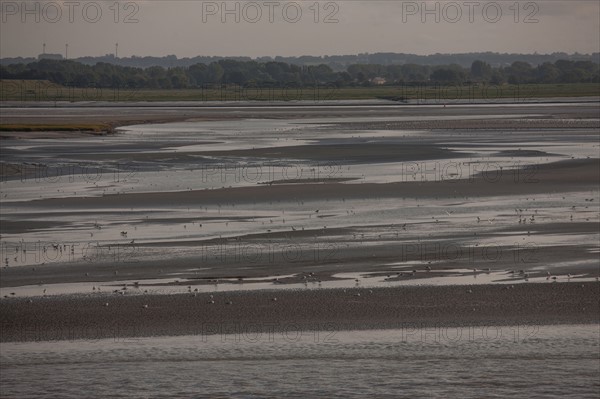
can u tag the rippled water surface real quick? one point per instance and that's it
(442, 362)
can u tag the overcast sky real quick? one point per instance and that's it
(192, 27)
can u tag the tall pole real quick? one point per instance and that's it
(67, 51)
(44, 49)
(116, 50)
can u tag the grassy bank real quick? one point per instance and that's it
(35, 91)
(95, 128)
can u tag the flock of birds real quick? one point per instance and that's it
(310, 277)
(524, 216)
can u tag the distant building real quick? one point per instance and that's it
(47, 56)
(378, 81)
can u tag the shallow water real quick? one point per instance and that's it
(374, 279)
(233, 361)
(162, 158)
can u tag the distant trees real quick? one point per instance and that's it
(215, 73)
(366, 72)
(481, 71)
(547, 73)
(519, 72)
(415, 73)
(453, 74)
(577, 71)
(338, 63)
(178, 78)
(157, 78)
(276, 73)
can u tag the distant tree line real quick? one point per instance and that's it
(273, 73)
(338, 63)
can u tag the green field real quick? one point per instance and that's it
(34, 91)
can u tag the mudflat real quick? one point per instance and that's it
(406, 200)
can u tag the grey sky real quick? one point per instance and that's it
(193, 27)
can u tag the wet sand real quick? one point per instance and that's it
(447, 212)
(564, 176)
(261, 254)
(87, 317)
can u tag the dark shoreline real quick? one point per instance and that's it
(72, 317)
